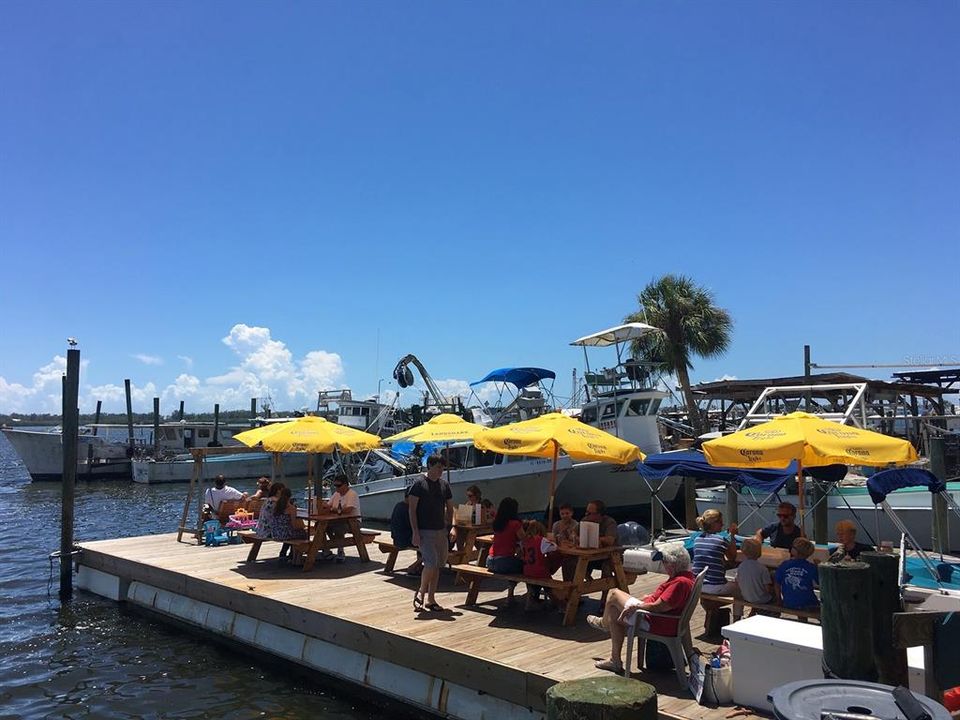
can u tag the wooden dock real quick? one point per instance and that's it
(354, 621)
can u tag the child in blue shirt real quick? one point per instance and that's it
(796, 578)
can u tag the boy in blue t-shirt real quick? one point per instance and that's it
(796, 578)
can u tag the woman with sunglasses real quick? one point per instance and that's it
(782, 533)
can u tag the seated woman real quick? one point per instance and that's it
(669, 598)
(474, 499)
(263, 489)
(850, 549)
(507, 535)
(714, 552)
(286, 524)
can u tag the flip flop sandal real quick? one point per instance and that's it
(609, 665)
(433, 607)
(417, 601)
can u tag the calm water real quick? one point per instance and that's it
(89, 658)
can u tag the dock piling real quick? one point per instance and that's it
(941, 514)
(602, 698)
(70, 425)
(126, 390)
(846, 615)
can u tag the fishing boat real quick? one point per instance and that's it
(623, 401)
(104, 450)
(98, 458)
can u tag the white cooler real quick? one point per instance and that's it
(768, 652)
(640, 560)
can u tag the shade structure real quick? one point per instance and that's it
(445, 428)
(811, 441)
(308, 434)
(546, 435)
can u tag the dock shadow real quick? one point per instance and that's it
(272, 569)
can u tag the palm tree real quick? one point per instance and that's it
(692, 326)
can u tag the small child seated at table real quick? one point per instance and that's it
(534, 550)
(753, 578)
(796, 578)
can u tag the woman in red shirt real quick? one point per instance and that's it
(669, 598)
(507, 534)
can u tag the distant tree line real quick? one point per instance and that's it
(14, 419)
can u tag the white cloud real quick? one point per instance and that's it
(724, 378)
(266, 368)
(147, 359)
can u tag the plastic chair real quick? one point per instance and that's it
(679, 645)
(213, 534)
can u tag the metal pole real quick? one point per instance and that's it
(70, 424)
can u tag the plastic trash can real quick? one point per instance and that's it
(805, 699)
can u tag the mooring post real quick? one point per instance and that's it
(732, 515)
(96, 417)
(216, 425)
(156, 424)
(690, 502)
(846, 615)
(602, 698)
(820, 513)
(180, 414)
(70, 425)
(885, 593)
(126, 389)
(253, 412)
(941, 514)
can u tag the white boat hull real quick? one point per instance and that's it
(912, 506)
(620, 488)
(526, 479)
(232, 467)
(42, 455)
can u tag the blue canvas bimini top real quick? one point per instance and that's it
(521, 377)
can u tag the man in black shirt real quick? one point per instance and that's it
(782, 533)
(431, 517)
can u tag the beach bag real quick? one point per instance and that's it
(589, 534)
(717, 685)
(697, 675)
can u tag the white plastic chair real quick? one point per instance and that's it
(680, 645)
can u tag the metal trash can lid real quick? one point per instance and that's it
(804, 699)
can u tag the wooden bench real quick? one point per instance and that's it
(391, 551)
(476, 575)
(738, 604)
(299, 547)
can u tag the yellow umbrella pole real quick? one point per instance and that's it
(802, 495)
(553, 485)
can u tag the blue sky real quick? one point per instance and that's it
(223, 200)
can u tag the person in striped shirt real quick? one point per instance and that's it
(713, 551)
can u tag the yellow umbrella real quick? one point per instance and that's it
(546, 435)
(811, 441)
(308, 434)
(443, 428)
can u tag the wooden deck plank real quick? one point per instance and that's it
(526, 650)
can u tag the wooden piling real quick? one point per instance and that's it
(216, 426)
(846, 615)
(602, 698)
(732, 514)
(690, 502)
(941, 513)
(885, 594)
(180, 414)
(96, 417)
(821, 519)
(156, 424)
(126, 390)
(253, 412)
(70, 426)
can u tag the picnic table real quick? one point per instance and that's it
(612, 575)
(317, 525)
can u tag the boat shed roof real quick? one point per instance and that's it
(749, 390)
(945, 378)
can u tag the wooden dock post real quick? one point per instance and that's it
(96, 417)
(846, 615)
(690, 502)
(253, 412)
(885, 594)
(941, 514)
(732, 514)
(216, 426)
(126, 390)
(156, 424)
(602, 698)
(820, 513)
(180, 414)
(70, 426)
